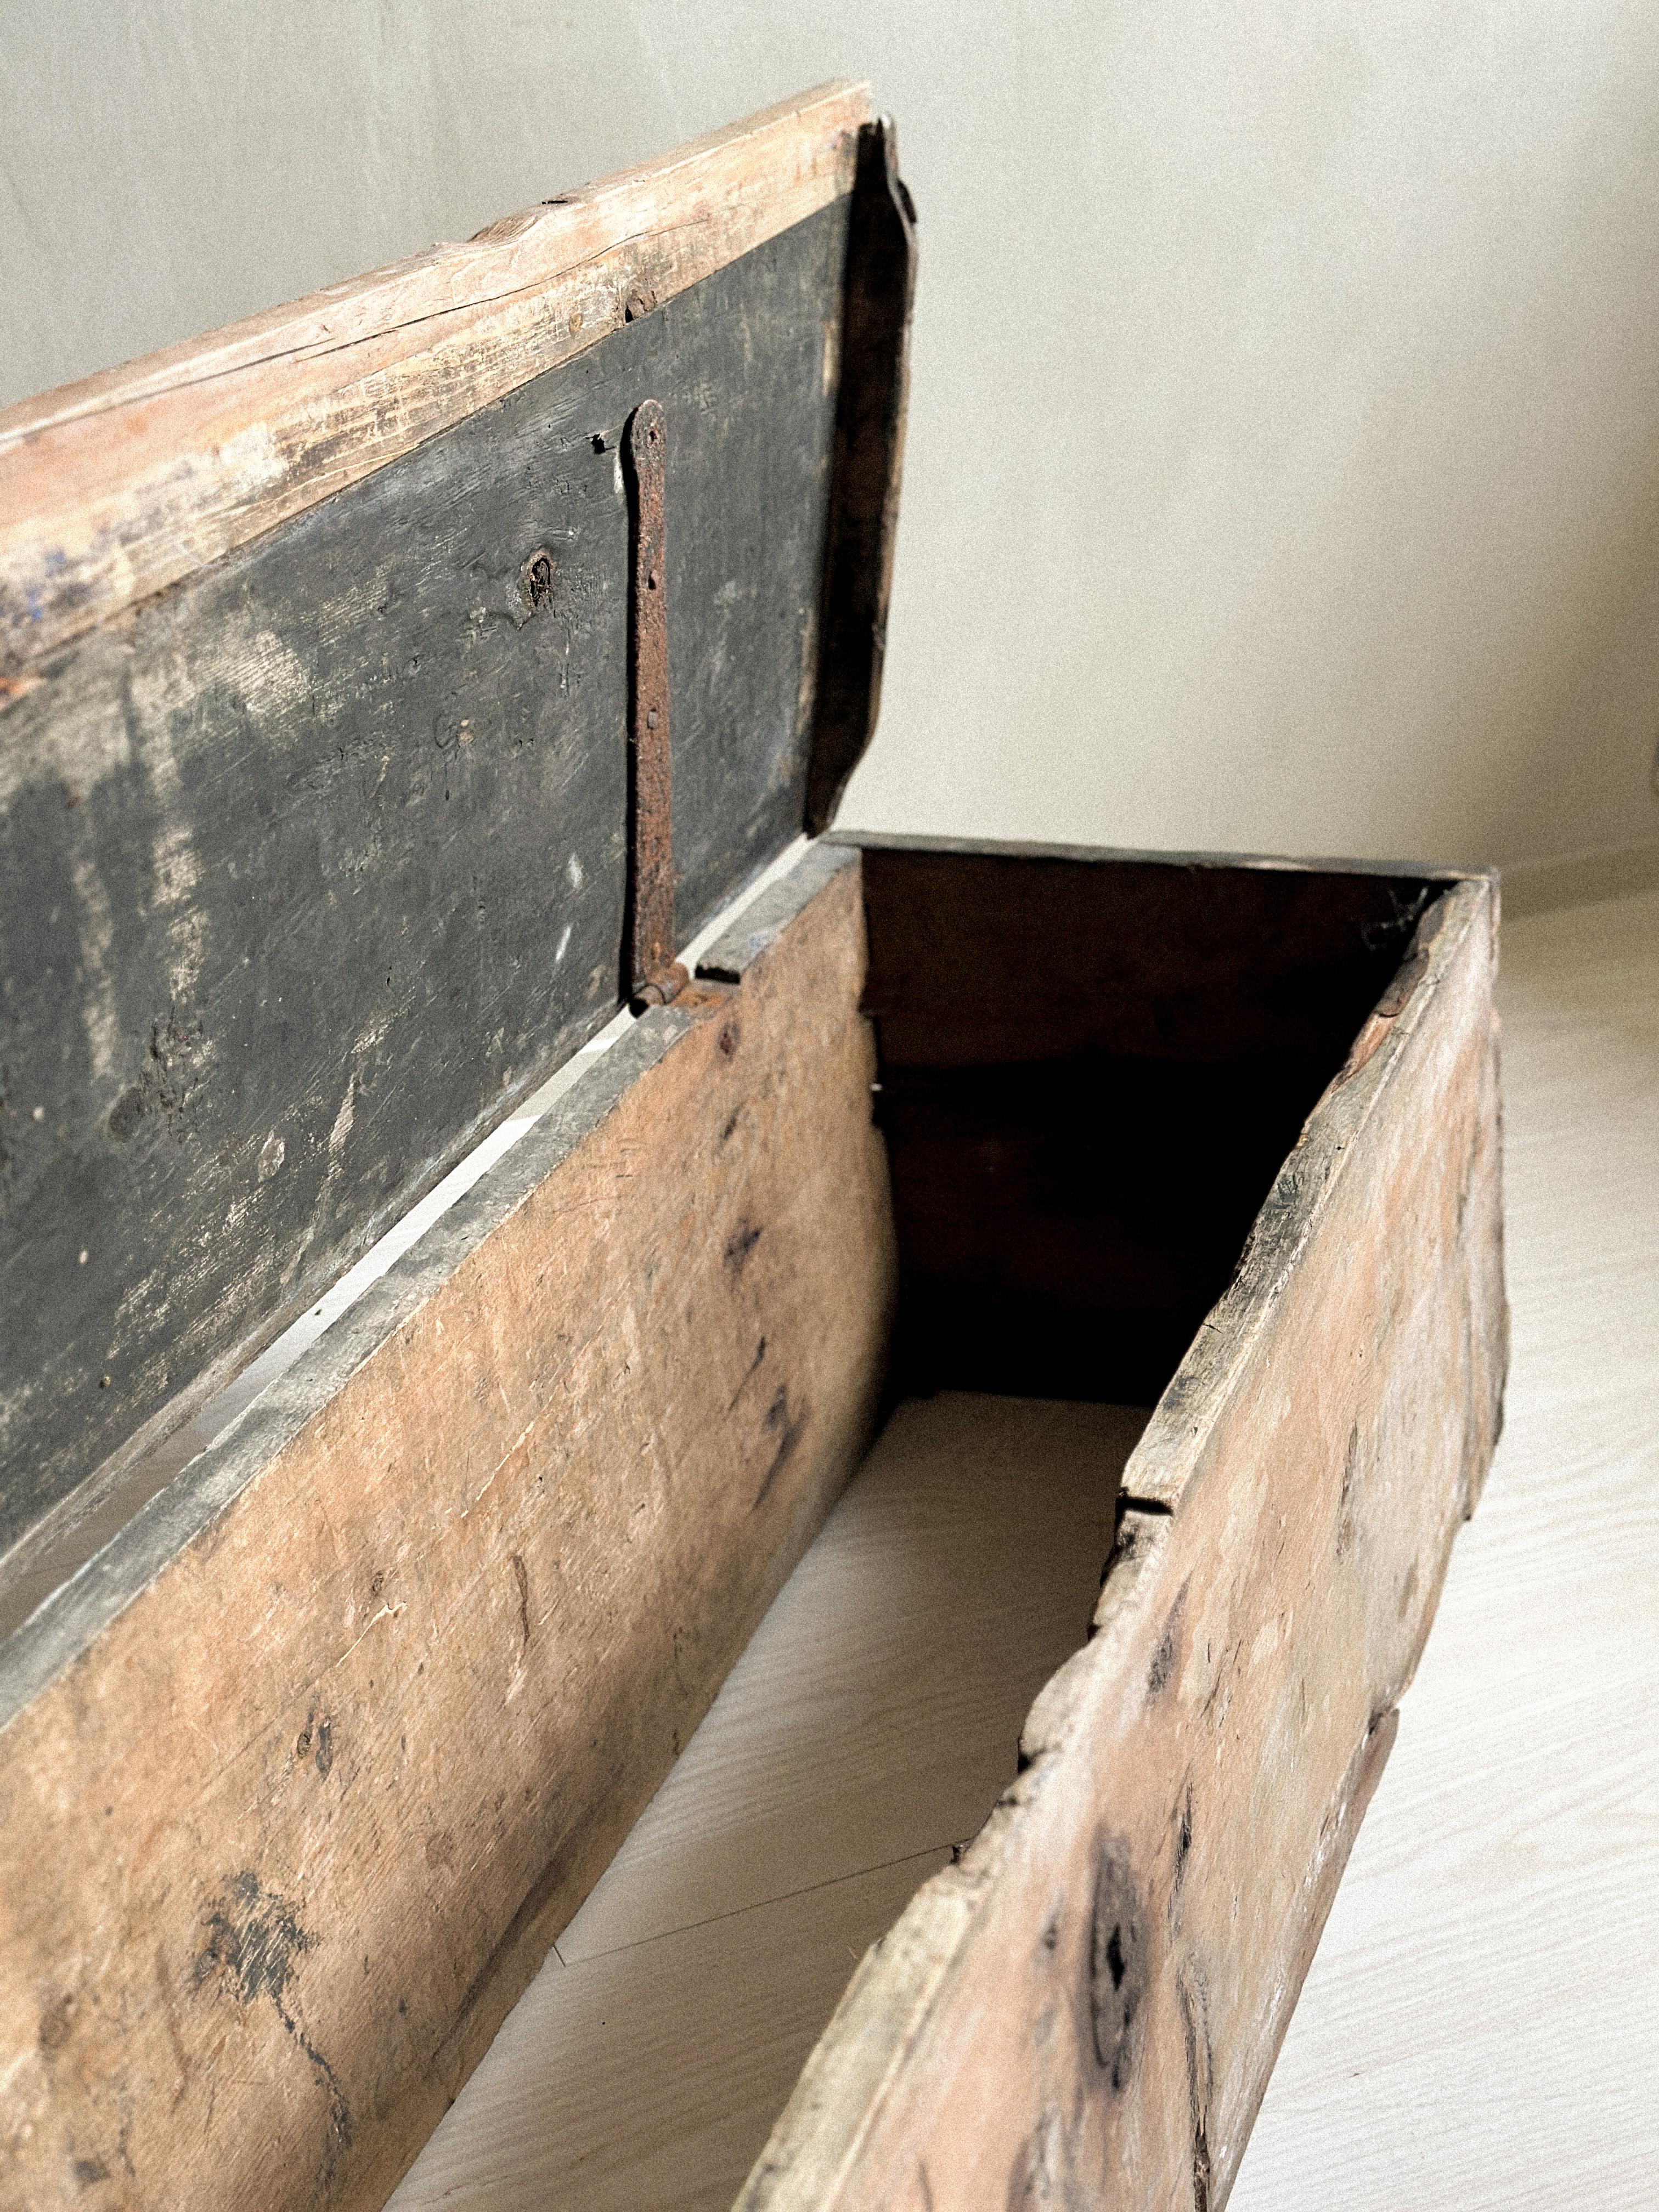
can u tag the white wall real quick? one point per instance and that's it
(1284, 464)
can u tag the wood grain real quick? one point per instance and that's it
(1092, 2000)
(112, 489)
(1117, 1955)
(1497, 1924)
(1497, 1930)
(876, 1712)
(302, 1773)
(313, 867)
(642, 2080)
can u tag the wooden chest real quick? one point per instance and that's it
(389, 685)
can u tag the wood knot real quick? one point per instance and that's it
(55, 2025)
(1117, 1964)
(536, 581)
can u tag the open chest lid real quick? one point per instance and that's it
(388, 683)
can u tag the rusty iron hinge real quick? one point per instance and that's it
(652, 976)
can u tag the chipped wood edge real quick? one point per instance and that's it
(112, 489)
(942, 1990)
(1172, 1451)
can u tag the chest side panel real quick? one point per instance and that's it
(1087, 2006)
(301, 1779)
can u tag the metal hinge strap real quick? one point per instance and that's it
(652, 973)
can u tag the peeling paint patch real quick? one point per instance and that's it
(342, 1121)
(99, 1017)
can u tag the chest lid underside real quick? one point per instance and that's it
(388, 684)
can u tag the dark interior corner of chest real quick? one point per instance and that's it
(1090, 1070)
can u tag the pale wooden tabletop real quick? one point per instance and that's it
(1481, 2024)
(871, 1724)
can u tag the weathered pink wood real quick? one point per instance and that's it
(1085, 2010)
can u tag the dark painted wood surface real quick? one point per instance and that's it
(881, 287)
(315, 865)
(1091, 1070)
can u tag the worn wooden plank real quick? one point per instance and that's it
(1090, 2003)
(114, 488)
(876, 1712)
(1091, 1068)
(871, 1723)
(303, 1772)
(1502, 1907)
(316, 865)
